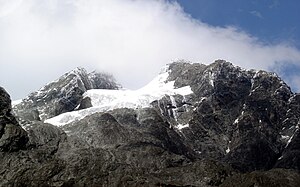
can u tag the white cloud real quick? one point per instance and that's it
(6, 7)
(132, 39)
(295, 81)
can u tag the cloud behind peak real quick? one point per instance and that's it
(131, 39)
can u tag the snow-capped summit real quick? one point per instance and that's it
(105, 100)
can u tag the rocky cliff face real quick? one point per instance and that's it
(62, 95)
(12, 136)
(239, 116)
(235, 127)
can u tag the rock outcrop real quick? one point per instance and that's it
(12, 136)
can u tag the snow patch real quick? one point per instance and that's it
(186, 108)
(289, 141)
(181, 126)
(285, 137)
(211, 76)
(227, 150)
(16, 102)
(203, 99)
(174, 110)
(252, 83)
(236, 121)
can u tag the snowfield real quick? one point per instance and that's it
(105, 100)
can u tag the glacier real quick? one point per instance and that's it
(104, 100)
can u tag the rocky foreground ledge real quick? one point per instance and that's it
(237, 128)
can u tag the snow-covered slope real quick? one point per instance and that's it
(104, 100)
(16, 102)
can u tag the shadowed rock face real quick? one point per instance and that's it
(12, 136)
(274, 177)
(238, 128)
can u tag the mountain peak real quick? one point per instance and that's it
(215, 123)
(78, 70)
(63, 95)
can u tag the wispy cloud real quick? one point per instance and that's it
(274, 4)
(132, 39)
(256, 14)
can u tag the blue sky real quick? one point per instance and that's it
(271, 21)
(133, 39)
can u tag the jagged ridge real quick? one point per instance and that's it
(62, 95)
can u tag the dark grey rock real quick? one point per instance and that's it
(102, 81)
(99, 130)
(290, 157)
(12, 136)
(85, 103)
(5, 107)
(274, 177)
